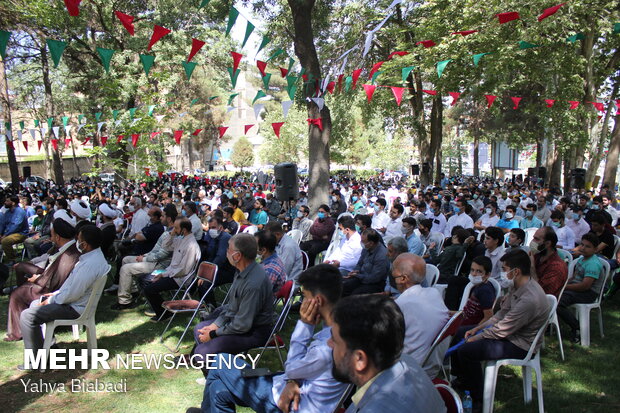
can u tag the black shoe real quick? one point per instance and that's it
(575, 337)
(120, 307)
(156, 318)
(193, 410)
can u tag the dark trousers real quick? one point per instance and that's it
(573, 297)
(152, 293)
(31, 319)
(466, 361)
(354, 286)
(454, 292)
(313, 248)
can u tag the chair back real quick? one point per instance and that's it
(605, 275)
(529, 234)
(95, 295)
(448, 330)
(305, 261)
(450, 398)
(285, 292)
(616, 246)
(432, 275)
(207, 271)
(553, 304)
(443, 240)
(252, 229)
(296, 234)
(470, 286)
(565, 255)
(457, 270)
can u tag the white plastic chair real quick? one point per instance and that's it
(252, 229)
(582, 311)
(432, 275)
(450, 398)
(565, 255)
(529, 234)
(554, 318)
(531, 361)
(468, 288)
(296, 235)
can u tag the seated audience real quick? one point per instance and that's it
(288, 250)
(303, 223)
(271, 262)
(321, 230)
(371, 269)
(479, 305)
(566, 236)
(13, 228)
(550, 270)
(395, 247)
(347, 254)
(413, 241)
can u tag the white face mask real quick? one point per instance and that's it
(214, 233)
(77, 245)
(131, 208)
(488, 211)
(404, 230)
(508, 215)
(300, 214)
(475, 279)
(505, 280)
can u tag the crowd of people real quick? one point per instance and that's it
(367, 252)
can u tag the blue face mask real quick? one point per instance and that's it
(321, 215)
(354, 198)
(184, 213)
(529, 214)
(556, 224)
(475, 196)
(457, 210)
(376, 208)
(576, 216)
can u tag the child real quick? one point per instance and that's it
(479, 306)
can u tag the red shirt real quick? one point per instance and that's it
(551, 273)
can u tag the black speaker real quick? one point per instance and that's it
(531, 171)
(27, 171)
(426, 168)
(286, 181)
(542, 172)
(210, 168)
(415, 169)
(578, 178)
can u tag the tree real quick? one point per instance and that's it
(242, 153)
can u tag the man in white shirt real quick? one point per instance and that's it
(493, 242)
(577, 224)
(140, 217)
(303, 223)
(190, 211)
(439, 220)
(543, 213)
(460, 218)
(424, 310)
(394, 227)
(489, 219)
(346, 256)
(380, 219)
(566, 236)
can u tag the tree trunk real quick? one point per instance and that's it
(476, 151)
(6, 109)
(555, 168)
(539, 149)
(597, 153)
(434, 152)
(318, 140)
(611, 163)
(75, 163)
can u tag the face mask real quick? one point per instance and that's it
(504, 276)
(508, 215)
(595, 207)
(475, 279)
(334, 199)
(300, 214)
(354, 198)
(457, 210)
(556, 224)
(576, 216)
(529, 214)
(432, 210)
(376, 208)
(321, 215)
(488, 211)
(132, 208)
(341, 233)
(404, 230)
(475, 196)
(80, 250)
(358, 229)
(214, 233)
(184, 213)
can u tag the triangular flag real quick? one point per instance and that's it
(319, 102)
(575, 37)
(36, 122)
(246, 128)
(283, 72)
(233, 76)
(177, 136)
(375, 76)
(258, 108)
(80, 117)
(134, 139)
(516, 102)
(348, 81)
(106, 56)
(159, 118)
(441, 66)
(67, 142)
(286, 105)
(391, 56)
(104, 140)
(86, 140)
(508, 17)
(374, 69)
(55, 144)
(132, 112)
(465, 32)
(549, 102)
(261, 67)
(117, 122)
(49, 122)
(263, 43)
(249, 28)
(193, 102)
(222, 130)
(259, 94)
(291, 62)
(430, 92)
(291, 92)
(616, 28)
(80, 126)
(330, 87)
(56, 48)
(490, 99)
(526, 45)
(276, 128)
(119, 138)
(550, 11)
(158, 33)
(599, 106)
(236, 59)
(230, 109)
(10, 144)
(189, 69)
(316, 122)
(573, 104)
(454, 96)
(266, 80)
(275, 54)
(355, 76)
(426, 43)
(231, 97)
(32, 134)
(151, 108)
(67, 129)
(21, 124)
(4, 40)
(98, 115)
(25, 143)
(65, 122)
(479, 56)
(147, 171)
(153, 134)
(232, 18)
(56, 130)
(147, 62)
(19, 135)
(39, 143)
(196, 46)
(398, 93)
(160, 174)
(203, 3)
(127, 21)
(370, 90)
(406, 71)
(73, 7)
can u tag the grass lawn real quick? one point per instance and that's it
(587, 381)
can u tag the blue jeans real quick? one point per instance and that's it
(226, 388)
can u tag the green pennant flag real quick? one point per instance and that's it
(232, 18)
(203, 3)
(21, 125)
(56, 48)
(115, 113)
(213, 97)
(441, 66)
(302, 71)
(49, 122)
(106, 57)
(347, 83)
(526, 45)
(98, 116)
(233, 76)
(291, 92)
(151, 109)
(80, 117)
(290, 81)
(7, 125)
(248, 31)
(276, 54)
(406, 71)
(36, 123)
(189, 68)
(266, 80)
(291, 62)
(193, 102)
(616, 28)
(231, 97)
(575, 37)
(479, 56)
(65, 120)
(374, 76)
(4, 39)
(147, 62)
(132, 112)
(259, 94)
(264, 43)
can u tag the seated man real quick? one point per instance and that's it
(508, 220)
(530, 220)
(288, 250)
(245, 321)
(368, 333)
(321, 230)
(32, 244)
(413, 241)
(452, 255)
(566, 236)
(303, 223)
(585, 285)
(479, 306)
(258, 217)
(230, 225)
(347, 254)
(13, 228)
(307, 384)
(516, 237)
(395, 247)
(424, 311)
(214, 245)
(489, 218)
(432, 240)
(185, 255)
(43, 280)
(371, 269)
(108, 229)
(271, 262)
(549, 269)
(70, 300)
(509, 333)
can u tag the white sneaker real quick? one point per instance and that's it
(201, 381)
(111, 289)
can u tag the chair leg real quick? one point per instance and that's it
(557, 328)
(490, 380)
(584, 325)
(280, 355)
(539, 386)
(186, 328)
(76, 331)
(600, 320)
(527, 384)
(91, 336)
(48, 333)
(161, 338)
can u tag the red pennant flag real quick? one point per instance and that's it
(549, 12)
(119, 138)
(283, 72)
(398, 93)
(316, 122)
(153, 134)
(160, 174)
(247, 128)
(374, 69)
(54, 144)
(236, 60)
(261, 67)
(134, 139)
(86, 141)
(370, 90)
(599, 119)
(104, 140)
(599, 106)
(276, 128)
(549, 102)
(430, 92)
(454, 96)
(39, 143)
(490, 100)
(355, 76)
(177, 136)
(573, 104)
(465, 32)
(147, 171)
(397, 54)
(196, 46)
(127, 21)
(196, 132)
(618, 103)
(508, 17)
(67, 142)
(10, 143)
(304, 77)
(73, 7)
(172, 176)
(516, 102)
(426, 43)
(340, 78)
(158, 33)
(222, 130)
(25, 143)
(330, 87)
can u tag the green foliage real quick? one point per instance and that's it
(242, 153)
(292, 146)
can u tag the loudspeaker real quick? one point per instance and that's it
(578, 178)
(27, 171)
(531, 171)
(210, 168)
(415, 169)
(286, 181)
(426, 168)
(542, 172)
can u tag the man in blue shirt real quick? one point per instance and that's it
(413, 241)
(257, 216)
(508, 222)
(13, 228)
